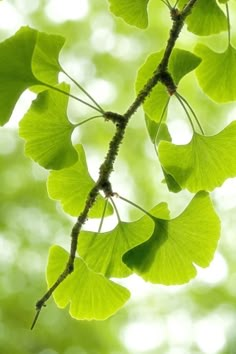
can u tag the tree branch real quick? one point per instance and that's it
(162, 75)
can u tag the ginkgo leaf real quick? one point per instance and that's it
(45, 59)
(103, 252)
(177, 245)
(91, 296)
(217, 72)
(72, 185)
(133, 12)
(181, 63)
(172, 185)
(157, 131)
(47, 130)
(213, 19)
(204, 163)
(26, 59)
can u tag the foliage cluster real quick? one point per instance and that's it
(158, 248)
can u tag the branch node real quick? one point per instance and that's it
(175, 14)
(167, 80)
(116, 118)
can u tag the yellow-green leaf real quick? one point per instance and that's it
(204, 163)
(26, 59)
(72, 185)
(47, 130)
(177, 245)
(133, 12)
(206, 18)
(217, 72)
(103, 252)
(91, 296)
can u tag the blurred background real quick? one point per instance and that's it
(104, 54)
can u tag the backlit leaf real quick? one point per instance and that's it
(103, 252)
(45, 62)
(217, 72)
(134, 12)
(47, 130)
(157, 131)
(91, 296)
(204, 163)
(26, 59)
(181, 63)
(72, 185)
(213, 19)
(172, 185)
(177, 245)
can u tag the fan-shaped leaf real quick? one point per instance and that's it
(134, 12)
(28, 58)
(203, 164)
(213, 19)
(181, 63)
(103, 252)
(217, 72)
(72, 185)
(91, 295)
(168, 257)
(47, 130)
(45, 62)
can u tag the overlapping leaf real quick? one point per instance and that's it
(157, 131)
(134, 12)
(103, 252)
(91, 296)
(217, 72)
(47, 130)
(213, 19)
(204, 163)
(181, 63)
(177, 245)
(28, 58)
(71, 186)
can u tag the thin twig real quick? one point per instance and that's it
(74, 97)
(87, 120)
(228, 23)
(83, 90)
(137, 206)
(186, 111)
(192, 111)
(106, 168)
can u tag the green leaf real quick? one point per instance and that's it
(172, 185)
(133, 12)
(26, 59)
(91, 295)
(213, 19)
(47, 130)
(45, 62)
(217, 72)
(181, 63)
(103, 252)
(177, 245)
(204, 163)
(72, 185)
(157, 131)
